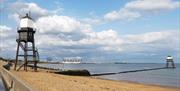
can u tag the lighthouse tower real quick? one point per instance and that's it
(26, 49)
(169, 60)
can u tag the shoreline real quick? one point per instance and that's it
(44, 81)
(135, 82)
(126, 81)
(87, 83)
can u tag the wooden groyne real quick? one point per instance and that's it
(46, 68)
(100, 74)
(129, 71)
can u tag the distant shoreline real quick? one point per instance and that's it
(95, 63)
(60, 62)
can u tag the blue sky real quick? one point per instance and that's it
(97, 30)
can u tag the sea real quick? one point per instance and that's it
(162, 77)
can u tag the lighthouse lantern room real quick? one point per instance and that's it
(27, 30)
(26, 22)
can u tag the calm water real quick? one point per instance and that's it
(164, 77)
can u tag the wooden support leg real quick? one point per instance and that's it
(173, 65)
(17, 53)
(25, 56)
(35, 66)
(167, 64)
(34, 56)
(21, 66)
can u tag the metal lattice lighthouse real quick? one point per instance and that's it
(26, 45)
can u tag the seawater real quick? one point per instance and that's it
(163, 77)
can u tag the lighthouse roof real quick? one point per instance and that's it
(27, 16)
(169, 57)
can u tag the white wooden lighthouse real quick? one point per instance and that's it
(26, 41)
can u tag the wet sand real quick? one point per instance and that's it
(44, 81)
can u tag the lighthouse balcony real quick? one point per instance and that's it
(26, 34)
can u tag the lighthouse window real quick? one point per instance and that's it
(23, 35)
(30, 34)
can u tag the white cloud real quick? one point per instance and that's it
(23, 8)
(102, 38)
(67, 31)
(6, 37)
(122, 14)
(153, 41)
(107, 41)
(64, 31)
(60, 24)
(111, 41)
(19, 9)
(135, 9)
(5, 31)
(152, 5)
(149, 37)
(60, 31)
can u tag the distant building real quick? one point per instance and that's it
(72, 60)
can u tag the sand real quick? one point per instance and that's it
(44, 81)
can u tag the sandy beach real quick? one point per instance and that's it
(44, 81)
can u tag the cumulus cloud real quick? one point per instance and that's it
(153, 5)
(122, 14)
(149, 37)
(67, 31)
(110, 41)
(95, 37)
(153, 41)
(7, 38)
(135, 9)
(63, 24)
(19, 9)
(60, 30)
(5, 31)
(73, 34)
(22, 8)
(107, 41)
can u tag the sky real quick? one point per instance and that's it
(97, 30)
